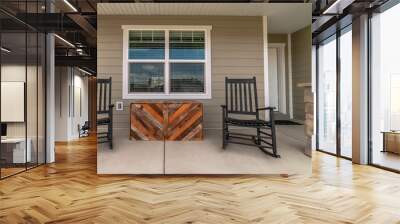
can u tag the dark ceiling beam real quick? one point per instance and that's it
(91, 5)
(16, 18)
(85, 25)
(337, 7)
(78, 61)
(49, 22)
(320, 23)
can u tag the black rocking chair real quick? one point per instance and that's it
(241, 101)
(104, 111)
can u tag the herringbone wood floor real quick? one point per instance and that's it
(69, 191)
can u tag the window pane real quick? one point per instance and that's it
(346, 94)
(187, 77)
(146, 77)
(385, 88)
(187, 45)
(146, 44)
(327, 96)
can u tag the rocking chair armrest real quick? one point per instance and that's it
(267, 108)
(224, 111)
(111, 105)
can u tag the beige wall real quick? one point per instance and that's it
(237, 51)
(301, 68)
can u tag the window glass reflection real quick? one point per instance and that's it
(385, 89)
(187, 77)
(346, 94)
(327, 96)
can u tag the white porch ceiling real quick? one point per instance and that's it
(282, 17)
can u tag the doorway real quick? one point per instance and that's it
(277, 79)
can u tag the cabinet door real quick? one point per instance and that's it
(147, 121)
(185, 121)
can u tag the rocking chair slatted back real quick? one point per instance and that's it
(103, 95)
(241, 96)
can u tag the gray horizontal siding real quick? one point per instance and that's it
(301, 68)
(237, 51)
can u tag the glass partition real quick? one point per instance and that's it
(31, 97)
(41, 96)
(14, 153)
(327, 96)
(22, 63)
(385, 89)
(346, 93)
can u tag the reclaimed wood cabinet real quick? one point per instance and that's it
(166, 120)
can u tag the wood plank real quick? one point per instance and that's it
(70, 191)
(166, 120)
(147, 121)
(184, 122)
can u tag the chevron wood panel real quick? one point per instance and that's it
(147, 121)
(172, 121)
(185, 121)
(70, 191)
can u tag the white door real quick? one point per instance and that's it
(76, 120)
(273, 83)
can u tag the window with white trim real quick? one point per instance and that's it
(167, 62)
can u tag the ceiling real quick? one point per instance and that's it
(282, 17)
(78, 23)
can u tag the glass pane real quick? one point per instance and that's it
(327, 96)
(41, 98)
(187, 45)
(146, 77)
(385, 89)
(346, 94)
(187, 77)
(146, 44)
(31, 98)
(14, 153)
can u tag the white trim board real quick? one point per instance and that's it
(290, 74)
(265, 63)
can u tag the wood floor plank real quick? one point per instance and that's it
(70, 191)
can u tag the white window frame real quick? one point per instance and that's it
(166, 61)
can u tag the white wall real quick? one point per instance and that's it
(70, 83)
(33, 126)
(16, 73)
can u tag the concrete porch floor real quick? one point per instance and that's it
(204, 157)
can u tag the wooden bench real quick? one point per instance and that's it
(166, 120)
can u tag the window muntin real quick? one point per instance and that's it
(182, 52)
